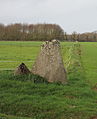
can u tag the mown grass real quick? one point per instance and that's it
(13, 53)
(89, 58)
(31, 97)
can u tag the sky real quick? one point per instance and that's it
(71, 15)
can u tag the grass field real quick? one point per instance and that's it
(21, 98)
(89, 59)
(14, 53)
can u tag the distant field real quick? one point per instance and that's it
(13, 53)
(89, 60)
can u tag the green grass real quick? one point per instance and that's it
(31, 97)
(13, 53)
(24, 98)
(89, 58)
(4, 116)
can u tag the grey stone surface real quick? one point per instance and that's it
(21, 69)
(49, 63)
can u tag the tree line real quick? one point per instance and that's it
(41, 32)
(31, 32)
(84, 37)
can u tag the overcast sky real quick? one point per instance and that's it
(71, 15)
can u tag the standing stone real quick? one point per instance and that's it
(49, 63)
(21, 69)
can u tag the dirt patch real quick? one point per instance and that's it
(94, 117)
(95, 87)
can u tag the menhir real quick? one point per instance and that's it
(49, 63)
